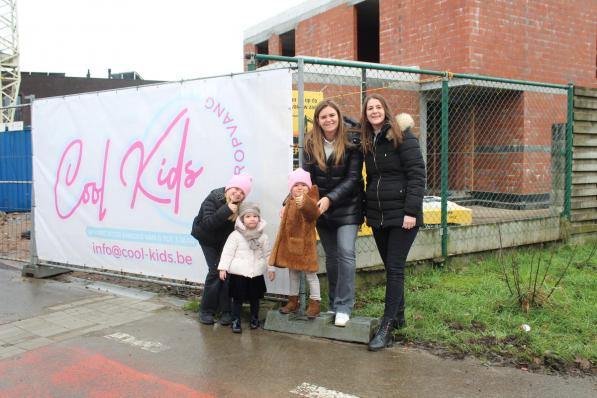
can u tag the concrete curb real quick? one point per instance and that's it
(358, 329)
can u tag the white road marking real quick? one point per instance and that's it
(313, 391)
(151, 346)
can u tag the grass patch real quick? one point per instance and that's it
(468, 309)
(191, 306)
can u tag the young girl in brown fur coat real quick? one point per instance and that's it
(296, 245)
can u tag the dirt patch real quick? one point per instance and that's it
(474, 326)
(498, 352)
(14, 235)
(183, 292)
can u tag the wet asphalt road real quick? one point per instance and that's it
(127, 344)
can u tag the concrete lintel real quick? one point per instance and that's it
(358, 329)
(290, 18)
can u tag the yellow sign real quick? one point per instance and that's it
(311, 99)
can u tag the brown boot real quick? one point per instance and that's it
(313, 309)
(291, 306)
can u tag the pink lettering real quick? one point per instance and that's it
(172, 177)
(239, 155)
(91, 191)
(233, 130)
(219, 110)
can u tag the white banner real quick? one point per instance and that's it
(120, 175)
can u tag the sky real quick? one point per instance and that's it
(159, 39)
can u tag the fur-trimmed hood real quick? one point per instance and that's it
(405, 121)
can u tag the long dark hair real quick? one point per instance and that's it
(314, 138)
(367, 129)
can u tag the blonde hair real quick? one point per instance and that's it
(314, 138)
(228, 197)
(394, 132)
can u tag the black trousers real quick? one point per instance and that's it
(215, 292)
(393, 244)
(237, 306)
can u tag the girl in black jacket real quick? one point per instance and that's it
(335, 164)
(394, 196)
(211, 228)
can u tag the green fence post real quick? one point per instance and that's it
(569, 127)
(444, 167)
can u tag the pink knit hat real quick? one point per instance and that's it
(240, 181)
(299, 175)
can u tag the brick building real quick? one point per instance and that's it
(549, 40)
(501, 140)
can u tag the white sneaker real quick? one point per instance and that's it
(341, 319)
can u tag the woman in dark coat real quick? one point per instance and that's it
(394, 196)
(211, 228)
(335, 163)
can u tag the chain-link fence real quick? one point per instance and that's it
(15, 194)
(498, 153)
(495, 149)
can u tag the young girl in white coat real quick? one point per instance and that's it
(244, 262)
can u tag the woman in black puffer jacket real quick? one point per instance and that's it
(211, 228)
(335, 162)
(394, 195)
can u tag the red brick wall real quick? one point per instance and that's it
(542, 111)
(500, 141)
(274, 45)
(549, 40)
(431, 34)
(248, 48)
(331, 34)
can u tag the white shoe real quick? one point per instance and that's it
(341, 319)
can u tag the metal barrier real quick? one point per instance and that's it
(498, 151)
(15, 194)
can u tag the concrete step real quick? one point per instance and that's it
(358, 329)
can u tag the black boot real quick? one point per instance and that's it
(384, 336)
(226, 319)
(400, 321)
(236, 328)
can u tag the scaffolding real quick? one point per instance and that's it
(10, 77)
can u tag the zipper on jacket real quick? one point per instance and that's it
(378, 178)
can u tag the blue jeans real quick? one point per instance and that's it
(341, 264)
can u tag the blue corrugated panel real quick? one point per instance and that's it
(15, 171)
